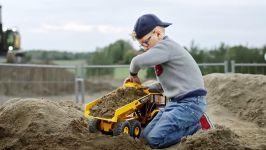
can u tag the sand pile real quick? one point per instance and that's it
(237, 103)
(114, 100)
(242, 94)
(44, 124)
(221, 138)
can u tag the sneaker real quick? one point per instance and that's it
(205, 122)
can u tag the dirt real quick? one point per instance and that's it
(109, 103)
(221, 138)
(236, 104)
(44, 124)
(243, 94)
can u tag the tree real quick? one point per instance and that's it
(119, 52)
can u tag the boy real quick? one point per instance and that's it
(178, 76)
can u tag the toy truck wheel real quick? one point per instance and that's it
(121, 127)
(93, 125)
(135, 128)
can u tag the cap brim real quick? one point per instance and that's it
(165, 24)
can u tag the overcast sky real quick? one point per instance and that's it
(83, 25)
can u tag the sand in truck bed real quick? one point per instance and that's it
(120, 97)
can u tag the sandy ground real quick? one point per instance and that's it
(236, 104)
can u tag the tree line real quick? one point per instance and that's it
(50, 55)
(238, 53)
(121, 52)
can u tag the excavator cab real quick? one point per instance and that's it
(11, 45)
(12, 39)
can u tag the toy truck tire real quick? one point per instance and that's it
(93, 125)
(121, 127)
(135, 127)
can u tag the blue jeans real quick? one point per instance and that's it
(176, 120)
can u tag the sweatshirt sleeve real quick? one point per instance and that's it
(155, 86)
(154, 56)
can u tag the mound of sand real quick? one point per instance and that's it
(220, 138)
(44, 124)
(242, 94)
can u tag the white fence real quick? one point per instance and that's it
(79, 81)
(252, 68)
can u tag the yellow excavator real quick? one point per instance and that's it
(10, 42)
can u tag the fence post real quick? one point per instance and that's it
(225, 66)
(79, 90)
(82, 72)
(232, 66)
(79, 85)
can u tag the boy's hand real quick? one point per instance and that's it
(132, 79)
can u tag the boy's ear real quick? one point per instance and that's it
(159, 33)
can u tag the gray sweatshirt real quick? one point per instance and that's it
(176, 71)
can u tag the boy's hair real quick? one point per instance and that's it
(162, 29)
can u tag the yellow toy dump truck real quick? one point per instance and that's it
(128, 118)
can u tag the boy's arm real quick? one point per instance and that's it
(155, 87)
(154, 56)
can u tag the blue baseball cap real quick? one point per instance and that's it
(146, 23)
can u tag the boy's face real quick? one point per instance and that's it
(149, 40)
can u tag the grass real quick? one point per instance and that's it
(2, 59)
(119, 73)
(70, 62)
(122, 73)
